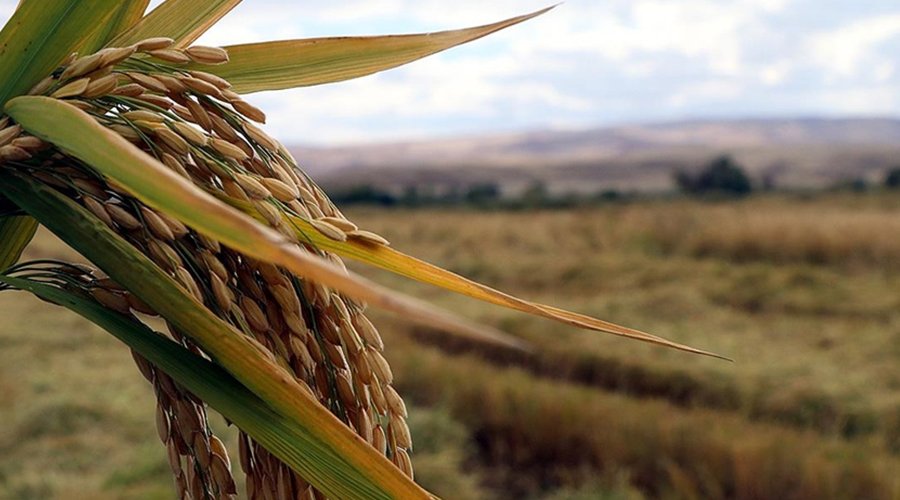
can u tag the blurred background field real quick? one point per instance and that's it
(802, 291)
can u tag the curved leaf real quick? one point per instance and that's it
(228, 347)
(77, 133)
(286, 64)
(182, 20)
(41, 33)
(397, 262)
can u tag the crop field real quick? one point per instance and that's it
(802, 291)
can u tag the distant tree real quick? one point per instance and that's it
(608, 195)
(856, 185)
(410, 197)
(481, 194)
(535, 194)
(892, 179)
(859, 184)
(364, 195)
(686, 182)
(722, 176)
(769, 182)
(452, 195)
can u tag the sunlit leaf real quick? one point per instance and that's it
(297, 63)
(237, 353)
(41, 33)
(77, 133)
(182, 20)
(36, 38)
(397, 262)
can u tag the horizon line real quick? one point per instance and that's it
(524, 131)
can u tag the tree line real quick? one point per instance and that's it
(722, 177)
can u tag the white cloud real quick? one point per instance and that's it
(775, 73)
(871, 100)
(717, 90)
(846, 51)
(884, 71)
(675, 56)
(587, 61)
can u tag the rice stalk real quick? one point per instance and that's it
(193, 123)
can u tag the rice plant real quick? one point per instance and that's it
(143, 153)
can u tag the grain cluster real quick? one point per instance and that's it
(193, 123)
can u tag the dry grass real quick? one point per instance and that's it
(811, 408)
(815, 334)
(763, 231)
(540, 435)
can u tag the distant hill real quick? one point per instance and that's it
(802, 152)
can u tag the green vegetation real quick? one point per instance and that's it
(485, 195)
(721, 177)
(892, 178)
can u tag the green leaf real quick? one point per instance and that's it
(37, 37)
(126, 17)
(78, 134)
(298, 63)
(182, 20)
(399, 263)
(15, 233)
(235, 352)
(41, 33)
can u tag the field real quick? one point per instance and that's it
(803, 292)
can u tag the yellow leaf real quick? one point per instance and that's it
(397, 262)
(182, 20)
(77, 133)
(297, 63)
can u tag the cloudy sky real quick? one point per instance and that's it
(586, 63)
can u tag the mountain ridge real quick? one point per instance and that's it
(796, 152)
